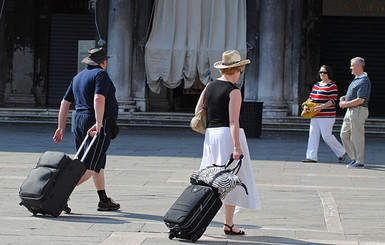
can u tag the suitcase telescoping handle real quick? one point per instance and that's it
(88, 148)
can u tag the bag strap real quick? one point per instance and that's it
(244, 187)
(237, 167)
(204, 101)
(231, 160)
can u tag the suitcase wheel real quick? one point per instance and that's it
(171, 236)
(194, 238)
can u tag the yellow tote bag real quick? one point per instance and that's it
(308, 109)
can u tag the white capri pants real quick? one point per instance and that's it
(324, 127)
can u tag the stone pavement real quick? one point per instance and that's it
(147, 169)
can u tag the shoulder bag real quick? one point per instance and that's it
(199, 122)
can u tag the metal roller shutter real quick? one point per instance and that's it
(343, 38)
(66, 30)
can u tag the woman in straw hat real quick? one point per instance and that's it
(223, 100)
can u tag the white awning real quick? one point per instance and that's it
(189, 36)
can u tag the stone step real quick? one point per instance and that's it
(374, 126)
(369, 125)
(126, 119)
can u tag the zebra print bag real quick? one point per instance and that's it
(220, 178)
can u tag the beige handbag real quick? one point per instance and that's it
(199, 122)
(308, 109)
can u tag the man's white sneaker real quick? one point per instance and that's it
(355, 165)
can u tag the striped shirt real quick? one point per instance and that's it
(321, 94)
(359, 88)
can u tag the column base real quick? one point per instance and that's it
(142, 104)
(295, 110)
(127, 106)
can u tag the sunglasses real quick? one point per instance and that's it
(323, 72)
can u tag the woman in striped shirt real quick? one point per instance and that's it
(325, 94)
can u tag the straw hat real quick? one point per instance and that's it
(230, 58)
(96, 56)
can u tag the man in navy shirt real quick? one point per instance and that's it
(96, 106)
(356, 101)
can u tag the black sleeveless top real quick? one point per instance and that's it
(217, 96)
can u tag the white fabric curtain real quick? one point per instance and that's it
(188, 36)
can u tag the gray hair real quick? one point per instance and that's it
(358, 60)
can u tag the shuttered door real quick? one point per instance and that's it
(343, 38)
(66, 30)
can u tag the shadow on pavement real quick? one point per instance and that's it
(375, 167)
(141, 216)
(82, 218)
(256, 240)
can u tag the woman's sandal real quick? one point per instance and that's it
(231, 232)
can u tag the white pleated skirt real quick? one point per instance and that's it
(217, 147)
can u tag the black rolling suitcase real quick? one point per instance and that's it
(49, 185)
(192, 212)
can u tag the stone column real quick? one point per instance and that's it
(120, 41)
(271, 58)
(143, 9)
(292, 56)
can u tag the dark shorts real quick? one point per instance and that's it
(96, 157)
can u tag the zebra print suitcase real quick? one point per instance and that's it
(192, 212)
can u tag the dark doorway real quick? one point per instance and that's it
(343, 38)
(65, 32)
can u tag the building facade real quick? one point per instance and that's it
(42, 42)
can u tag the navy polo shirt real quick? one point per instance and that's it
(93, 80)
